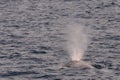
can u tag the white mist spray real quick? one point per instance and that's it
(77, 41)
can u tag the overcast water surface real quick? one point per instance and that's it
(33, 38)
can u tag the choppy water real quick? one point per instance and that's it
(32, 39)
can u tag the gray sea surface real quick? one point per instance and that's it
(33, 39)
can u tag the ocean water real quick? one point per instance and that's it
(33, 39)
